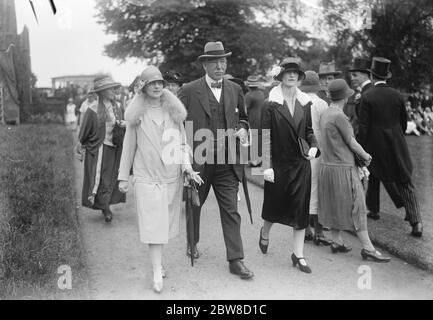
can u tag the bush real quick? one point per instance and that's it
(39, 228)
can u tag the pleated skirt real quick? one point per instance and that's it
(341, 198)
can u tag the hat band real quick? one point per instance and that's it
(215, 52)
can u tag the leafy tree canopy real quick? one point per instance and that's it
(172, 33)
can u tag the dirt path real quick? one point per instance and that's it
(120, 269)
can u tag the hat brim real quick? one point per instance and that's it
(388, 76)
(335, 73)
(301, 74)
(348, 93)
(105, 87)
(252, 84)
(360, 70)
(213, 56)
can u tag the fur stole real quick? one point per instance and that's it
(170, 102)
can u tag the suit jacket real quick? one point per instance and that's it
(194, 96)
(382, 123)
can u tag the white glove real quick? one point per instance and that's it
(123, 186)
(312, 153)
(268, 175)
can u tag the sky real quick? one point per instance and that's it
(70, 42)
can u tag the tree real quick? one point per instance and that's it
(172, 34)
(401, 31)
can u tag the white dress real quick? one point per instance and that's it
(317, 108)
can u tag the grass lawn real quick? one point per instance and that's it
(39, 229)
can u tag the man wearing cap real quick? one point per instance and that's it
(327, 73)
(214, 103)
(382, 123)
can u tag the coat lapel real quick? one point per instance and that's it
(226, 93)
(298, 114)
(149, 130)
(284, 111)
(203, 95)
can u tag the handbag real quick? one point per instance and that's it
(118, 134)
(304, 147)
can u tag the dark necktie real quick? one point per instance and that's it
(216, 85)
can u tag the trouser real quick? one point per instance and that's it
(402, 194)
(225, 184)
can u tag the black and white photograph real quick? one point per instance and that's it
(213, 156)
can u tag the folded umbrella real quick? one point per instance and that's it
(191, 201)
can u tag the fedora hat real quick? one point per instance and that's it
(328, 68)
(311, 83)
(361, 65)
(213, 50)
(149, 75)
(253, 81)
(380, 68)
(290, 64)
(339, 90)
(102, 83)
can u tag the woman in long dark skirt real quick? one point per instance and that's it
(102, 152)
(287, 171)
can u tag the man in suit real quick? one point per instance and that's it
(327, 73)
(361, 82)
(216, 105)
(382, 123)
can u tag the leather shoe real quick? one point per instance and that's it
(335, 247)
(417, 230)
(237, 267)
(321, 239)
(108, 215)
(373, 215)
(375, 255)
(196, 254)
(263, 243)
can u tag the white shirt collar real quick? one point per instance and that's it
(209, 80)
(379, 82)
(365, 83)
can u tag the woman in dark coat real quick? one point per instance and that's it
(287, 171)
(102, 156)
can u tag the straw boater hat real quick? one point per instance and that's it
(339, 90)
(253, 82)
(328, 68)
(380, 68)
(361, 65)
(102, 83)
(214, 50)
(290, 64)
(311, 83)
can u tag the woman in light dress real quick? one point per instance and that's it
(155, 146)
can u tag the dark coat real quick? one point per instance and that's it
(287, 200)
(91, 136)
(194, 96)
(382, 123)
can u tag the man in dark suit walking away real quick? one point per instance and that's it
(217, 105)
(382, 123)
(361, 82)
